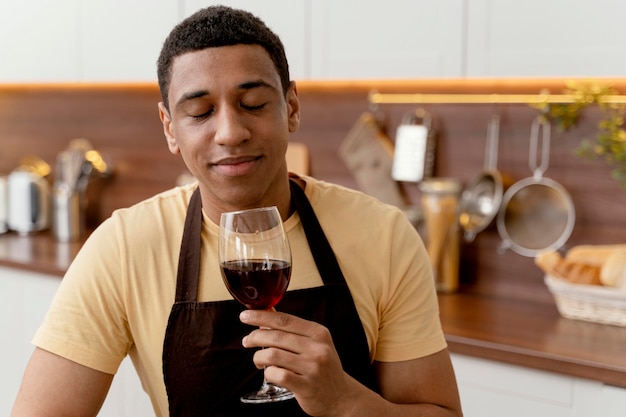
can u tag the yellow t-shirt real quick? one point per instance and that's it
(116, 297)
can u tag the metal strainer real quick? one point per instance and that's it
(537, 213)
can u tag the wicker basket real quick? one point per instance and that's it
(588, 302)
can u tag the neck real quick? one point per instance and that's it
(281, 199)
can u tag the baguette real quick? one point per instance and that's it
(613, 271)
(547, 261)
(554, 264)
(593, 254)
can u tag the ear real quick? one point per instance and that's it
(293, 108)
(168, 129)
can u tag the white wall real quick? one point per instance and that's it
(118, 40)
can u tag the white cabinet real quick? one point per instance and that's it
(387, 39)
(344, 39)
(492, 389)
(39, 41)
(117, 40)
(288, 19)
(538, 38)
(24, 301)
(74, 40)
(120, 40)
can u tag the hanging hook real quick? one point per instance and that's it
(374, 107)
(414, 118)
(493, 136)
(541, 123)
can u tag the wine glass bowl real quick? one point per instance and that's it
(255, 263)
(259, 284)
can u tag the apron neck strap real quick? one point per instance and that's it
(189, 258)
(323, 254)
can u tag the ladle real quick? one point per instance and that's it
(482, 197)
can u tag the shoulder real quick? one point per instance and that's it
(336, 203)
(174, 201)
(145, 223)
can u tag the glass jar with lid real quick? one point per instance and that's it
(440, 205)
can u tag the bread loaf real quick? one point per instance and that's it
(613, 271)
(587, 264)
(552, 263)
(592, 254)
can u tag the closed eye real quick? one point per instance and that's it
(253, 108)
(202, 115)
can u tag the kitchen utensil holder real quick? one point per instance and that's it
(68, 214)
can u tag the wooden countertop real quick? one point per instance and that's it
(522, 333)
(37, 252)
(533, 335)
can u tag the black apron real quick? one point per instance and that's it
(205, 367)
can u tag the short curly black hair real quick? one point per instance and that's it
(217, 26)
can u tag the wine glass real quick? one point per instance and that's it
(255, 262)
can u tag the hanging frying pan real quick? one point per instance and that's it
(537, 213)
(482, 197)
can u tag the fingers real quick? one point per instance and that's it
(288, 341)
(282, 330)
(300, 355)
(292, 360)
(268, 338)
(273, 320)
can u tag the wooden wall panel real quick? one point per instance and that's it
(122, 122)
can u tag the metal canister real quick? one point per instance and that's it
(68, 222)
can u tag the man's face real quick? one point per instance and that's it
(230, 121)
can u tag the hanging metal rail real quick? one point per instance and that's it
(416, 98)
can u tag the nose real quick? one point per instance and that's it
(230, 129)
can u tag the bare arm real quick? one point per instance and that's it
(55, 386)
(428, 381)
(300, 355)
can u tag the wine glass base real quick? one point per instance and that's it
(269, 393)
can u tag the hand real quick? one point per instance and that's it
(300, 355)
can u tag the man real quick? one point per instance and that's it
(357, 333)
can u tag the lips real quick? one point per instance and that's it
(237, 166)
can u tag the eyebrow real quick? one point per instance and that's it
(256, 84)
(249, 85)
(191, 96)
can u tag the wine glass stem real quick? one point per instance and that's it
(266, 387)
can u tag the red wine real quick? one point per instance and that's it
(258, 284)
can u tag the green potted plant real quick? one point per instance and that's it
(610, 142)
